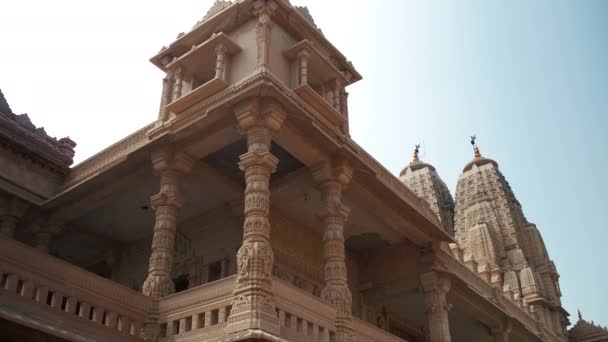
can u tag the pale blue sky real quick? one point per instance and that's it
(530, 78)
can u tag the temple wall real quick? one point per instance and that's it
(244, 63)
(281, 66)
(298, 252)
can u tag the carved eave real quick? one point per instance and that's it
(286, 15)
(222, 20)
(34, 144)
(293, 20)
(318, 62)
(202, 54)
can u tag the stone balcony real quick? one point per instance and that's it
(48, 294)
(45, 293)
(201, 314)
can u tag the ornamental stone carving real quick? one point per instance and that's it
(263, 10)
(171, 166)
(253, 306)
(332, 180)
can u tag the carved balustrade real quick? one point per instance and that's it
(366, 332)
(38, 289)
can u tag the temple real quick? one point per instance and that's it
(244, 211)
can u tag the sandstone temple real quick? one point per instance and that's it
(246, 212)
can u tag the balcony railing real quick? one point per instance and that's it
(201, 314)
(46, 293)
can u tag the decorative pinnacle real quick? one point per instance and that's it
(580, 316)
(416, 151)
(475, 148)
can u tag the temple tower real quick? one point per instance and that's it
(424, 181)
(491, 229)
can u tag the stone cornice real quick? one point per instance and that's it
(19, 135)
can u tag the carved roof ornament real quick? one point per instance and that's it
(475, 148)
(305, 13)
(218, 6)
(416, 151)
(587, 331)
(20, 130)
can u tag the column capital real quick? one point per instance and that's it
(265, 160)
(264, 9)
(435, 282)
(166, 158)
(339, 170)
(256, 112)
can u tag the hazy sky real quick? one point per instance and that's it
(530, 78)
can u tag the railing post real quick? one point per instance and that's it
(111, 319)
(97, 314)
(11, 282)
(84, 310)
(41, 294)
(196, 321)
(56, 300)
(70, 306)
(28, 289)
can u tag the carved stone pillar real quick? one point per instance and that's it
(435, 287)
(177, 86)
(253, 306)
(337, 95)
(171, 166)
(220, 62)
(264, 9)
(303, 57)
(334, 214)
(11, 210)
(167, 91)
(44, 231)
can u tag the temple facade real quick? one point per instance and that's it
(244, 211)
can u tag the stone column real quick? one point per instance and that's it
(253, 306)
(334, 214)
(220, 62)
(44, 230)
(435, 287)
(177, 83)
(303, 57)
(263, 10)
(171, 166)
(337, 95)
(11, 210)
(166, 95)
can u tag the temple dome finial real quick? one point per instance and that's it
(416, 151)
(475, 148)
